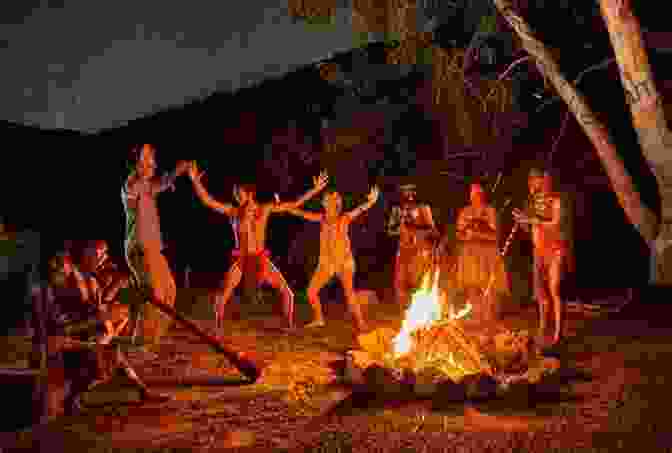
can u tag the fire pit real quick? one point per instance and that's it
(435, 354)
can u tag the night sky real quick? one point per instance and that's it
(81, 65)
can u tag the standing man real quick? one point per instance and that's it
(414, 224)
(336, 259)
(552, 251)
(251, 219)
(150, 274)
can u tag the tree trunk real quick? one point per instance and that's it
(648, 116)
(643, 218)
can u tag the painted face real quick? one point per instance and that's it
(408, 196)
(540, 183)
(476, 195)
(535, 183)
(245, 197)
(147, 162)
(101, 251)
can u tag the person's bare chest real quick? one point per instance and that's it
(253, 220)
(334, 232)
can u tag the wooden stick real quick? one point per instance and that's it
(239, 360)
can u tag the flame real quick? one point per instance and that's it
(425, 310)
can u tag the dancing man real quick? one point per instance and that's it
(336, 258)
(552, 251)
(251, 221)
(150, 274)
(414, 224)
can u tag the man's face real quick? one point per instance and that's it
(147, 162)
(408, 197)
(540, 183)
(101, 252)
(535, 183)
(245, 197)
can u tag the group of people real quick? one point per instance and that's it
(474, 268)
(151, 275)
(477, 266)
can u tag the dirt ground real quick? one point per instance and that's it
(619, 403)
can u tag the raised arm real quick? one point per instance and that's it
(359, 210)
(310, 216)
(204, 196)
(167, 181)
(319, 183)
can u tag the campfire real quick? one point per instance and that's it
(433, 349)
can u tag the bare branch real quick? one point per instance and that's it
(557, 140)
(601, 65)
(513, 65)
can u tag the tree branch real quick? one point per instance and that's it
(601, 65)
(513, 65)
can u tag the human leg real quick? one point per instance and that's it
(231, 280)
(275, 278)
(319, 279)
(540, 291)
(556, 272)
(347, 278)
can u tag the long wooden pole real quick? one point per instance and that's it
(242, 361)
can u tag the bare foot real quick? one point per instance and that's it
(316, 323)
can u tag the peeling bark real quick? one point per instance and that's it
(643, 218)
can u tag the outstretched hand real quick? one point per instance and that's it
(373, 195)
(182, 167)
(320, 182)
(194, 174)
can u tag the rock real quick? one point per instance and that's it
(427, 382)
(448, 392)
(382, 381)
(520, 392)
(480, 387)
